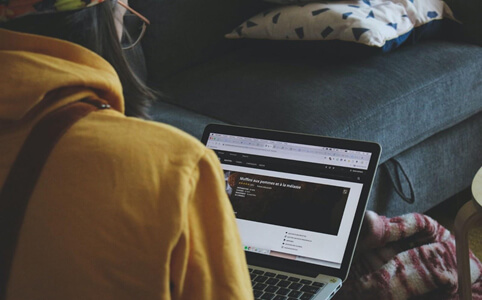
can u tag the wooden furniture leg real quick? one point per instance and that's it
(467, 216)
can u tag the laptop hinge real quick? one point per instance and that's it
(285, 266)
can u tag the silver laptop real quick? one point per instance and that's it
(299, 202)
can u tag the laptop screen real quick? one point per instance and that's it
(292, 200)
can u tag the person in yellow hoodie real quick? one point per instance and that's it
(123, 208)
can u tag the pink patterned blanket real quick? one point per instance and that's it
(406, 257)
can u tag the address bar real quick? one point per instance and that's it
(226, 146)
(283, 154)
(246, 147)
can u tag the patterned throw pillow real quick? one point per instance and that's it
(378, 23)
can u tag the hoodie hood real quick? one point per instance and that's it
(44, 73)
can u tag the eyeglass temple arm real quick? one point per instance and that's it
(133, 11)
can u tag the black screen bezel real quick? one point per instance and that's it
(297, 266)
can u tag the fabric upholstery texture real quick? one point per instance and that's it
(191, 122)
(184, 32)
(455, 151)
(468, 12)
(397, 100)
(407, 100)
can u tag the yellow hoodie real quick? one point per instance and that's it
(124, 208)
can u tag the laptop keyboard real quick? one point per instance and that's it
(272, 286)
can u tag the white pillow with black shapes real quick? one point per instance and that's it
(377, 23)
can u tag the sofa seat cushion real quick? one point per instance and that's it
(397, 100)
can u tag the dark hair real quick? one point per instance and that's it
(93, 28)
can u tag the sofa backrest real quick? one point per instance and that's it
(187, 32)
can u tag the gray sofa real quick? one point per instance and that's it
(421, 102)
